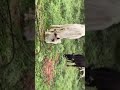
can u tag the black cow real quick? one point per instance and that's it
(102, 78)
(78, 59)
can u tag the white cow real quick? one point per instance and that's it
(67, 31)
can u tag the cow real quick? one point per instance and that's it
(68, 31)
(79, 62)
(78, 59)
(102, 78)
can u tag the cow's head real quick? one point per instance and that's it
(82, 71)
(69, 56)
(52, 37)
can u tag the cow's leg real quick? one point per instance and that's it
(70, 61)
(72, 65)
(68, 65)
(56, 26)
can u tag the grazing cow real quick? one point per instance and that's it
(67, 31)
(78, 60)
(102, 78)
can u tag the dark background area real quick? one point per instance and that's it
(16, 55)
(103, 48)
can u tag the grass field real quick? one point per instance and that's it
(51, 12)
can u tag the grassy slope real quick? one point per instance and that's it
(58, 12)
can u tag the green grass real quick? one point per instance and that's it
(51, 12)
